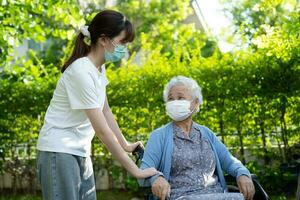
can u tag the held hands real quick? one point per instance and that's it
(246, 187)
(161, 188)
(130, 147)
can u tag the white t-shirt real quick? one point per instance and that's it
(66, 127)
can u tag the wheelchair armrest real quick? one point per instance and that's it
(145, 190)
(231, 179)
(260, 193)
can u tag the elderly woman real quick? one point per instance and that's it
(191, 158)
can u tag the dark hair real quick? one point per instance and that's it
(107, 23)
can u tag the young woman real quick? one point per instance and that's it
(79, 108)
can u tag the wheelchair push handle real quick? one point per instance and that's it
(138, 153)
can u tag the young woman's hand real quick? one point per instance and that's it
(130, 147)
(145, 173)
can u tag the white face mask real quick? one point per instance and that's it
(178, 110)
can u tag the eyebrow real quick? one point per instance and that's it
(179, 93)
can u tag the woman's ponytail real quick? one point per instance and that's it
(81, 49)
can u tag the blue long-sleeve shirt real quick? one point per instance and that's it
(159, 149)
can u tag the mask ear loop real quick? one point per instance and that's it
(113, 43)
(116, 47)
(194, 109)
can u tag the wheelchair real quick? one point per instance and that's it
(260, 193)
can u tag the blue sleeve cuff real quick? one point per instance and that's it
(244, 172)
(153, 178)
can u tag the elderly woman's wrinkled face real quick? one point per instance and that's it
(181, 92)
(180, 104)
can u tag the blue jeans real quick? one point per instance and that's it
(65, 177)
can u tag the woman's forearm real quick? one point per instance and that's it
(115, 127)
(106, 135)
(117, 151)
(112, 123)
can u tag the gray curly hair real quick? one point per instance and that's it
(186, 81)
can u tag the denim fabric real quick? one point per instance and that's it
(65, 177)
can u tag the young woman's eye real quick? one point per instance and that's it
(125, 43)
(181, 98)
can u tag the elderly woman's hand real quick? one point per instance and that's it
(161, 188)
(246, 187)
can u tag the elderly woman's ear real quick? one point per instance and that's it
(195, 105)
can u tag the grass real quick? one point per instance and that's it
(101, 195)
(104, 195)
(282, 197)
(19, 197)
